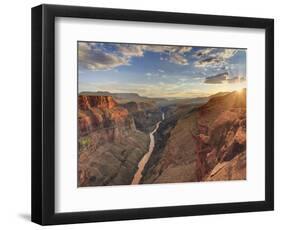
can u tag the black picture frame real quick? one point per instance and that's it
(43, 114)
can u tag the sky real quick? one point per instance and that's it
(160, 70)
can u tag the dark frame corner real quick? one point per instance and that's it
(43, 126)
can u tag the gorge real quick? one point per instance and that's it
(144, 160)
(111, 142)
(129, 139)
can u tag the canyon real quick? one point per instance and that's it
(109, 144)
(123, 139)
(202, 143)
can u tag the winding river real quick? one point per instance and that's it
(145, 158)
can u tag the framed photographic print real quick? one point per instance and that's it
(142, 114)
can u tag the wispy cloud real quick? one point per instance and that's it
(216, 79)
(168, 49)
(224, 77)
(160, 70)
(175, 53)
(203, 52)
(129, 50)
(178, 59)
(93, 57)
(214, 57)
(236, 79)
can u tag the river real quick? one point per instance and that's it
(145, 158)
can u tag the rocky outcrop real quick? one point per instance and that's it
(98, 112)
(219, 146)
(110, 146)
(222, 141)
(86, 102)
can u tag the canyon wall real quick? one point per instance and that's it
(145, 115)
(110, 145)
(204, 143)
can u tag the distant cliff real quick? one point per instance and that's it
(145, 114)
(110, 146)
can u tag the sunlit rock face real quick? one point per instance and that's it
(97, 112)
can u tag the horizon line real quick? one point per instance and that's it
(162, 97)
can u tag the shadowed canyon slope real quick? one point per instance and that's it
(203, 143)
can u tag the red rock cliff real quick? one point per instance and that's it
(101, 112)
(110, 146)
(221, 138)
(102, 102)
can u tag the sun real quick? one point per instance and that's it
(240, 91)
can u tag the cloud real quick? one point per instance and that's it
(130, 50)
(157, 48)
(226, 53)
(138, 50)
(224, 77)
(94, 58)
(203, 52)
(214, 57)
(217, 79)
(198, 78)
(178, 59)
(184, 49)
(210, 61)
(83, 50)
(175, 53)
(183, 80)
(102, 56)
(237, 79)
(168, 49)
